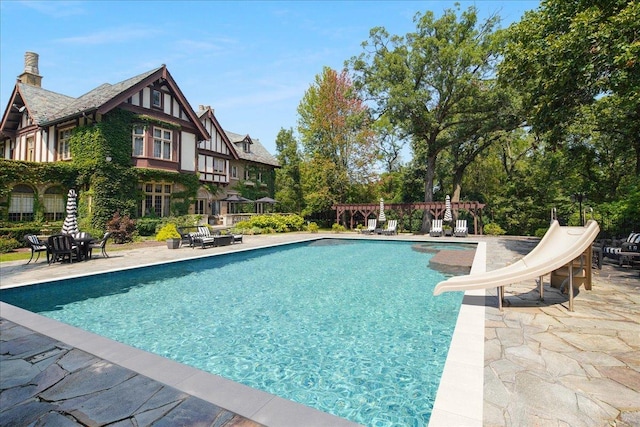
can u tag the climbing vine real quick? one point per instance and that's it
(14, 172)
(180, 200)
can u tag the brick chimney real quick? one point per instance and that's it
(31, 75)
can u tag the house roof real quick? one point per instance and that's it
(257, 154)
(101, 95)
(207, 111)
(46, 107)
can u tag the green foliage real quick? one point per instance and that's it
(180, 200)
(568, 57)
(312, 227)
(121, 228)
(288, 176)
(8, 244)
(169, 231)
(493, 229)
(430, 83)
(277, 223)
(15, 172)
(337, 140)
(147, 226)
(338, 228)
(18, 232)
(540, 232)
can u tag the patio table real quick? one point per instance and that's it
(83, 243)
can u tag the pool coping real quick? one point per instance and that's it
(459, 399)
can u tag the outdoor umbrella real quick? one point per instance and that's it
(262, 201)
(237, 199)
(382, 217)
(447, 210)
(70, 225)
(267, 200)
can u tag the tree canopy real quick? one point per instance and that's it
(543, 114)
(431, 83)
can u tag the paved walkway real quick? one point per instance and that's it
(547, 366)
(544, 365)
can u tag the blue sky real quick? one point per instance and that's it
(252, 61)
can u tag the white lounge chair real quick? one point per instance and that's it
(461, 229)
(392, 226)
(371, 227)
(436, 228)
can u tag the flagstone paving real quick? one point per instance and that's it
(547, 366)
(544, 365)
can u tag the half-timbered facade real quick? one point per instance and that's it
(38, 124)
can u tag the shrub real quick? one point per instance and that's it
(7, 244)
(121, 228)
(540, 232)
(169, 231)
(18, 233)
(338, 228)
(147, 226)
(493, 229)
(272, 223)
(312, 227)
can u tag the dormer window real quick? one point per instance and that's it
(156, 98)
(246, 146)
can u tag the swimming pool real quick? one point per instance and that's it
(344, 327)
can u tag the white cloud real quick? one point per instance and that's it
(111, 35)
(57, 9)
(200, 46)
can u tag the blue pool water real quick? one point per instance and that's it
(347, 327)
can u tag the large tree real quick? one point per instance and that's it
(288, 178)
(572, 54)
(336, 137)
(428, 82)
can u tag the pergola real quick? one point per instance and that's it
(406, 210)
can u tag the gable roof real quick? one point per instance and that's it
(257, 154)
(47, 108)
(208, 112)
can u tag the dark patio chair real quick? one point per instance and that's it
(100, 244)
(36, 245)
(61, 247)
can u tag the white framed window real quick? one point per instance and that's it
(21, 205)
(54, 206)
(162, 143)
(218, 165)
(64, 150)
(247, 176)
(208, 166)
(31, 149)
(234, 172)
(137, 138)
(156, 200)
(200, 207)
(246, 147)
(156, 98)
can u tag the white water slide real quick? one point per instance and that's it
(559, 247)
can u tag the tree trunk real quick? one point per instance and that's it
(457, 184)
(428, 191)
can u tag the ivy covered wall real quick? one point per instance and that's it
(101, 171)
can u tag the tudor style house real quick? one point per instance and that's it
(37, 126)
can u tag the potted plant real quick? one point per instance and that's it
(448, 231)
(170, 234)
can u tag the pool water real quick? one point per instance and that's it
(349, 327)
